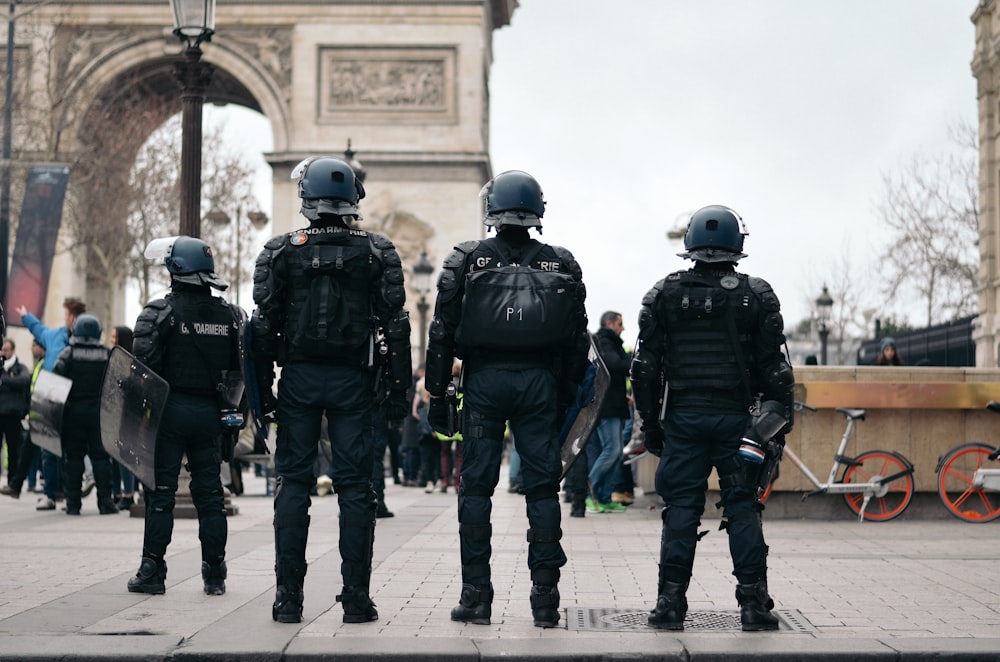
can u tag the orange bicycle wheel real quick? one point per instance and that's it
(889, 502)
(956, 469)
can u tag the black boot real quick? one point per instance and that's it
(579, 507)
(106, 507)
(214, 576)
(287, 607)
(475, 605)
(288, 596)
(150, 578)
(358, 605)
(755, 607)
(671, 607)
(545, 605)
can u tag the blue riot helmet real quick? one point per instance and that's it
(188, 260)
(513, 198)
(87, 326)
(328, 185)
(714, 234)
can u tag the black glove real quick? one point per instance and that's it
(652, 436)
(443, 415)
(396, 407)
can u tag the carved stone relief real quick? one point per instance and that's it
(272, 47)
(387, 84)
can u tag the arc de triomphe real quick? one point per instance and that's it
(406, 81)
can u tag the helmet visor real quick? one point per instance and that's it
(158, 250)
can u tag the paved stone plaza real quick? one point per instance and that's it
(910, 589)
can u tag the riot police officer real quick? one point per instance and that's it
(710, 341)
(330, 312)
(84, 360)
(191, 339)
(519, 367)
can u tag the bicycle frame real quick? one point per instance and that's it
(988, 479)
(877, 487)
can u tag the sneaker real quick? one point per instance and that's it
(593, 506)
(612, 507)
(383, 511)
(429, 488)
(45, 503)
(624, 498)
(88, 487)
(7, 490)
(324, 484)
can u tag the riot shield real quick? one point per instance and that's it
(48, 398)
(583, 414)
(251, 378)
(132, 402)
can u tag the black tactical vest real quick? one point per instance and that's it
(86, 369)
(708, 318)
(201, 344)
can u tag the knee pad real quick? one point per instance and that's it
(544, 535)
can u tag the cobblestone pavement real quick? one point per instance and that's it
(911, 589)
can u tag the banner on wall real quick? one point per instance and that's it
(35, 246)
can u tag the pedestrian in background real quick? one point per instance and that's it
(53, 340)
(15, 397)
(604, 449)
(887, 353)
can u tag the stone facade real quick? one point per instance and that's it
(986, 69)
(405, 81)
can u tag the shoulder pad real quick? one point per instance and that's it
(568, 261)
(276, 243)
(759, 285)
(762, 289)
(456, 258)
(650, 297)
(380, 242)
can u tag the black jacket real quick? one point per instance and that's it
(15, 389)
(612, 351)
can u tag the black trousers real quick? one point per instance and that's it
(306, 393)
(81, 436)
(695, 443)
(189, 427)
(526, 398)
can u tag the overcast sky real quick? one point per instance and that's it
(633, 113)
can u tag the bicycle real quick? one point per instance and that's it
(969, 479)
(877, 485)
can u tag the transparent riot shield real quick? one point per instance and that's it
(132, 402)
(48, 399)
(581, 418)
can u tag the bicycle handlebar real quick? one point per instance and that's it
(799, 406)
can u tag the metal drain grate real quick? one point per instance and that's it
(627, 620)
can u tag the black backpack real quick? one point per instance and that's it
(517, 307)
(337, 312)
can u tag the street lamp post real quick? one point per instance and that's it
(194, 22)
(824, 306)
(422, 272)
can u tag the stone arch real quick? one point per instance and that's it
(426, 155)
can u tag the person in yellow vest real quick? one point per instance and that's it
(451, 445)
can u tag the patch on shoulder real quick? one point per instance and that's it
(298, 238)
